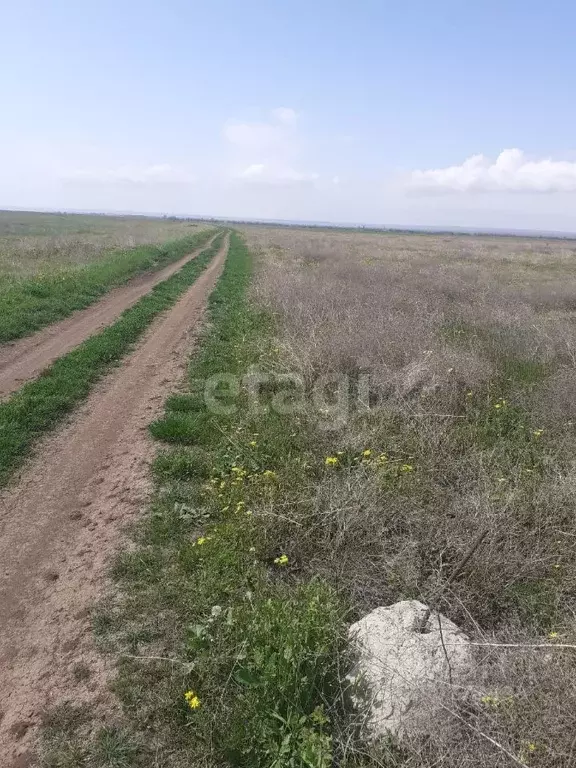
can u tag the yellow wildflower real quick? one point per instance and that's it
(367, 453)
(282, 560)
(495, 702)
(253, 443)
(192, 700)
(331, 461)
(552, 635)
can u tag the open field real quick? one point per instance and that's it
(46, 277)
(468, 345)
(32, 243)
(361, 410)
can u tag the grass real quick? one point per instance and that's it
(243, 666)
(39, 405)
(270, 532)
(470, 359)
(33, 242)
(28, 304)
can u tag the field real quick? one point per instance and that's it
(362, 412)
(54, 264)
(32, 243)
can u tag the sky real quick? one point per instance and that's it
(390, 113)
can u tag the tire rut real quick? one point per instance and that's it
(62, 521)
(25, 359)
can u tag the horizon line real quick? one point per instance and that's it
(417, 228)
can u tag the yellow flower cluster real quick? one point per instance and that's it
(282, 560)
(527, 749)
(495, 702)
(368, 458)
(192, 700)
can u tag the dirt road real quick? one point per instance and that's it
(62, 521)
(25, 358)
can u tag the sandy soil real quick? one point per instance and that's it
(60, 523)
(25, 358)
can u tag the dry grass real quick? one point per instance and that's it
(470, 343)
(39, 242)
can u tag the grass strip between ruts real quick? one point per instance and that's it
(40, 404)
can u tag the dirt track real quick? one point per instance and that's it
(62, 521)
(25, 358)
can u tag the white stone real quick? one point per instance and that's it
(403, 674)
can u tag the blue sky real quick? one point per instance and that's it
(445, 113)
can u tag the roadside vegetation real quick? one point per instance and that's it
(55, 291)
(284, 511)
(32, 242)
(39, 405)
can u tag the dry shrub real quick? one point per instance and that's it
(470, 344)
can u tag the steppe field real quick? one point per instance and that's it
(221, 446)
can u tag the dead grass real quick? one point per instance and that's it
(31, 243)
(471, 348)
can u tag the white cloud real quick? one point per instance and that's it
(276, 134)
(275, 175)
(285, 115)
(254, 136)
(268, 153)
(512, 171)
(160, 173)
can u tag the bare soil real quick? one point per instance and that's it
(25, 358)
(64, 518)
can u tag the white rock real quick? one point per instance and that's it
(403, 674)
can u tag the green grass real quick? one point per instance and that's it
(211, 585)
(27, 305)
(42, 403)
